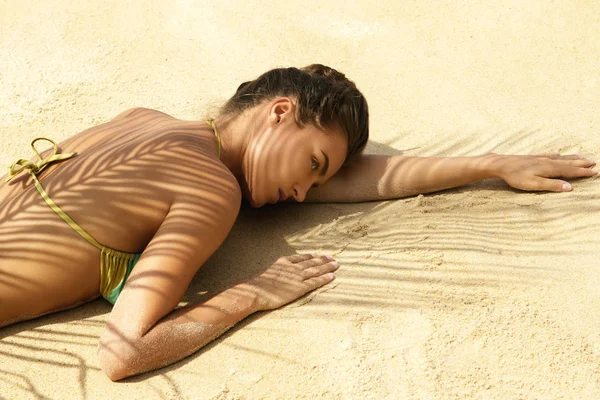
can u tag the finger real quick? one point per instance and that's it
(571, 172)
(549, 185)
(321, 269)
(319, 281)
(286, 275)
(296, 258)
(577, 157)
(568, 157)
(571, 157)
(580, 162)
(553, 154)
(558, 156)
(316, 261)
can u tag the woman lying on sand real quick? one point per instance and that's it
(132, 208)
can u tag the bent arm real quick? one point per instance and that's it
(376, 177)
(179, 334)
(189, 328)
(143, 331)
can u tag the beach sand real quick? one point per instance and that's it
(479, 292)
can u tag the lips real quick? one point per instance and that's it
(282, 195)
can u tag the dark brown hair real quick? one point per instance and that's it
(324, 97)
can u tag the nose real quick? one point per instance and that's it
(300, 191)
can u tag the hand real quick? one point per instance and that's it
(538, 172)
(290, 278)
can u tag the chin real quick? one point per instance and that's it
(251, 199)
(254, 203)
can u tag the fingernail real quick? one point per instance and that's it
(566, 187)
(331, 275)
(330, 258)
(335, 264)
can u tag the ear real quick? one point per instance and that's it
(281, 108)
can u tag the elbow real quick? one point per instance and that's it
(113, 366)
(119, 355)
(117, 360)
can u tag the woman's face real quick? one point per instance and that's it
(286, 161)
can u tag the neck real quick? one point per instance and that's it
(236, 132)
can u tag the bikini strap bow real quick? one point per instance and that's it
(35, 168)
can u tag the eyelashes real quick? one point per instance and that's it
(314, 164)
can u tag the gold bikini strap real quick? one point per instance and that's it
(113, 263)
(34, 168)
(211, 122)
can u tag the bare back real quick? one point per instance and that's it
(119, 188)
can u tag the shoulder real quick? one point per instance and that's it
(140, 111)
(199, 181)
(213, 190)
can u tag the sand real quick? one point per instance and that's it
(479, 292)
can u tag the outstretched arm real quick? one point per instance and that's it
(375, 177)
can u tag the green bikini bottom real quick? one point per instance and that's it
(114, 293)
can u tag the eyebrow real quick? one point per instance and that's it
(325, 166)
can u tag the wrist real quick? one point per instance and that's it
(251, 296)
(491, 166)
